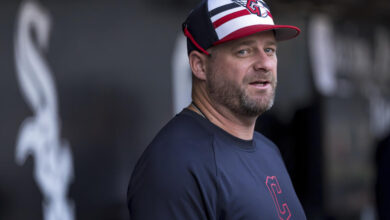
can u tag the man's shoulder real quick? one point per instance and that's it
(175, 173)
(185, 135)
(183, 147)
(184, 128)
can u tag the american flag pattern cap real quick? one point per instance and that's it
(214, 22)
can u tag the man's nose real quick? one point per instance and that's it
(264, 62)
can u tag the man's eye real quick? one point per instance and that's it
(270, 50)
(243, 52)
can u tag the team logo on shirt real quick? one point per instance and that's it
(257, 7)
(276, 193)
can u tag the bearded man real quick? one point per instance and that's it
(208, 162)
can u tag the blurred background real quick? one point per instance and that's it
(85, 85)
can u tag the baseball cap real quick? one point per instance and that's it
(214, 22)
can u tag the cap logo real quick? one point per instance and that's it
(257, 7)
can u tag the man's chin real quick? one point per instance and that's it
(261, 105)
(252, 109)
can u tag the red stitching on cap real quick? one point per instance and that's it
(188, 34)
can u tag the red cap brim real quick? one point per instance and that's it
(282, 32)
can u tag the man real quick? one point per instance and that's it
(207, 162)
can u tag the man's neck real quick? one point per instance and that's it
(239, 126)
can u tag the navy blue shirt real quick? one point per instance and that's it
(195, 170)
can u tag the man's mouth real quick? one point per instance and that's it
(260, 83)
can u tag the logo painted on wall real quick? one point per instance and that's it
(39, 134)
(181, 75)
(276, 193)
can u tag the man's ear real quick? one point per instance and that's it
(198, 64)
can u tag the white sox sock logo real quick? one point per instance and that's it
(276, 192)
(39, 134)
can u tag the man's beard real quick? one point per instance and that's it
(236, 98)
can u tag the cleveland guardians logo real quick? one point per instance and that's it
(257, 7)
(276, 193)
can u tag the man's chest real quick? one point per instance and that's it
(253, 187)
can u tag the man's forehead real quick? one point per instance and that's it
(267, 37)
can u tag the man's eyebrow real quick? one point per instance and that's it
(271, 43)
(242, 43)
(245, 42)
(251, 42)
